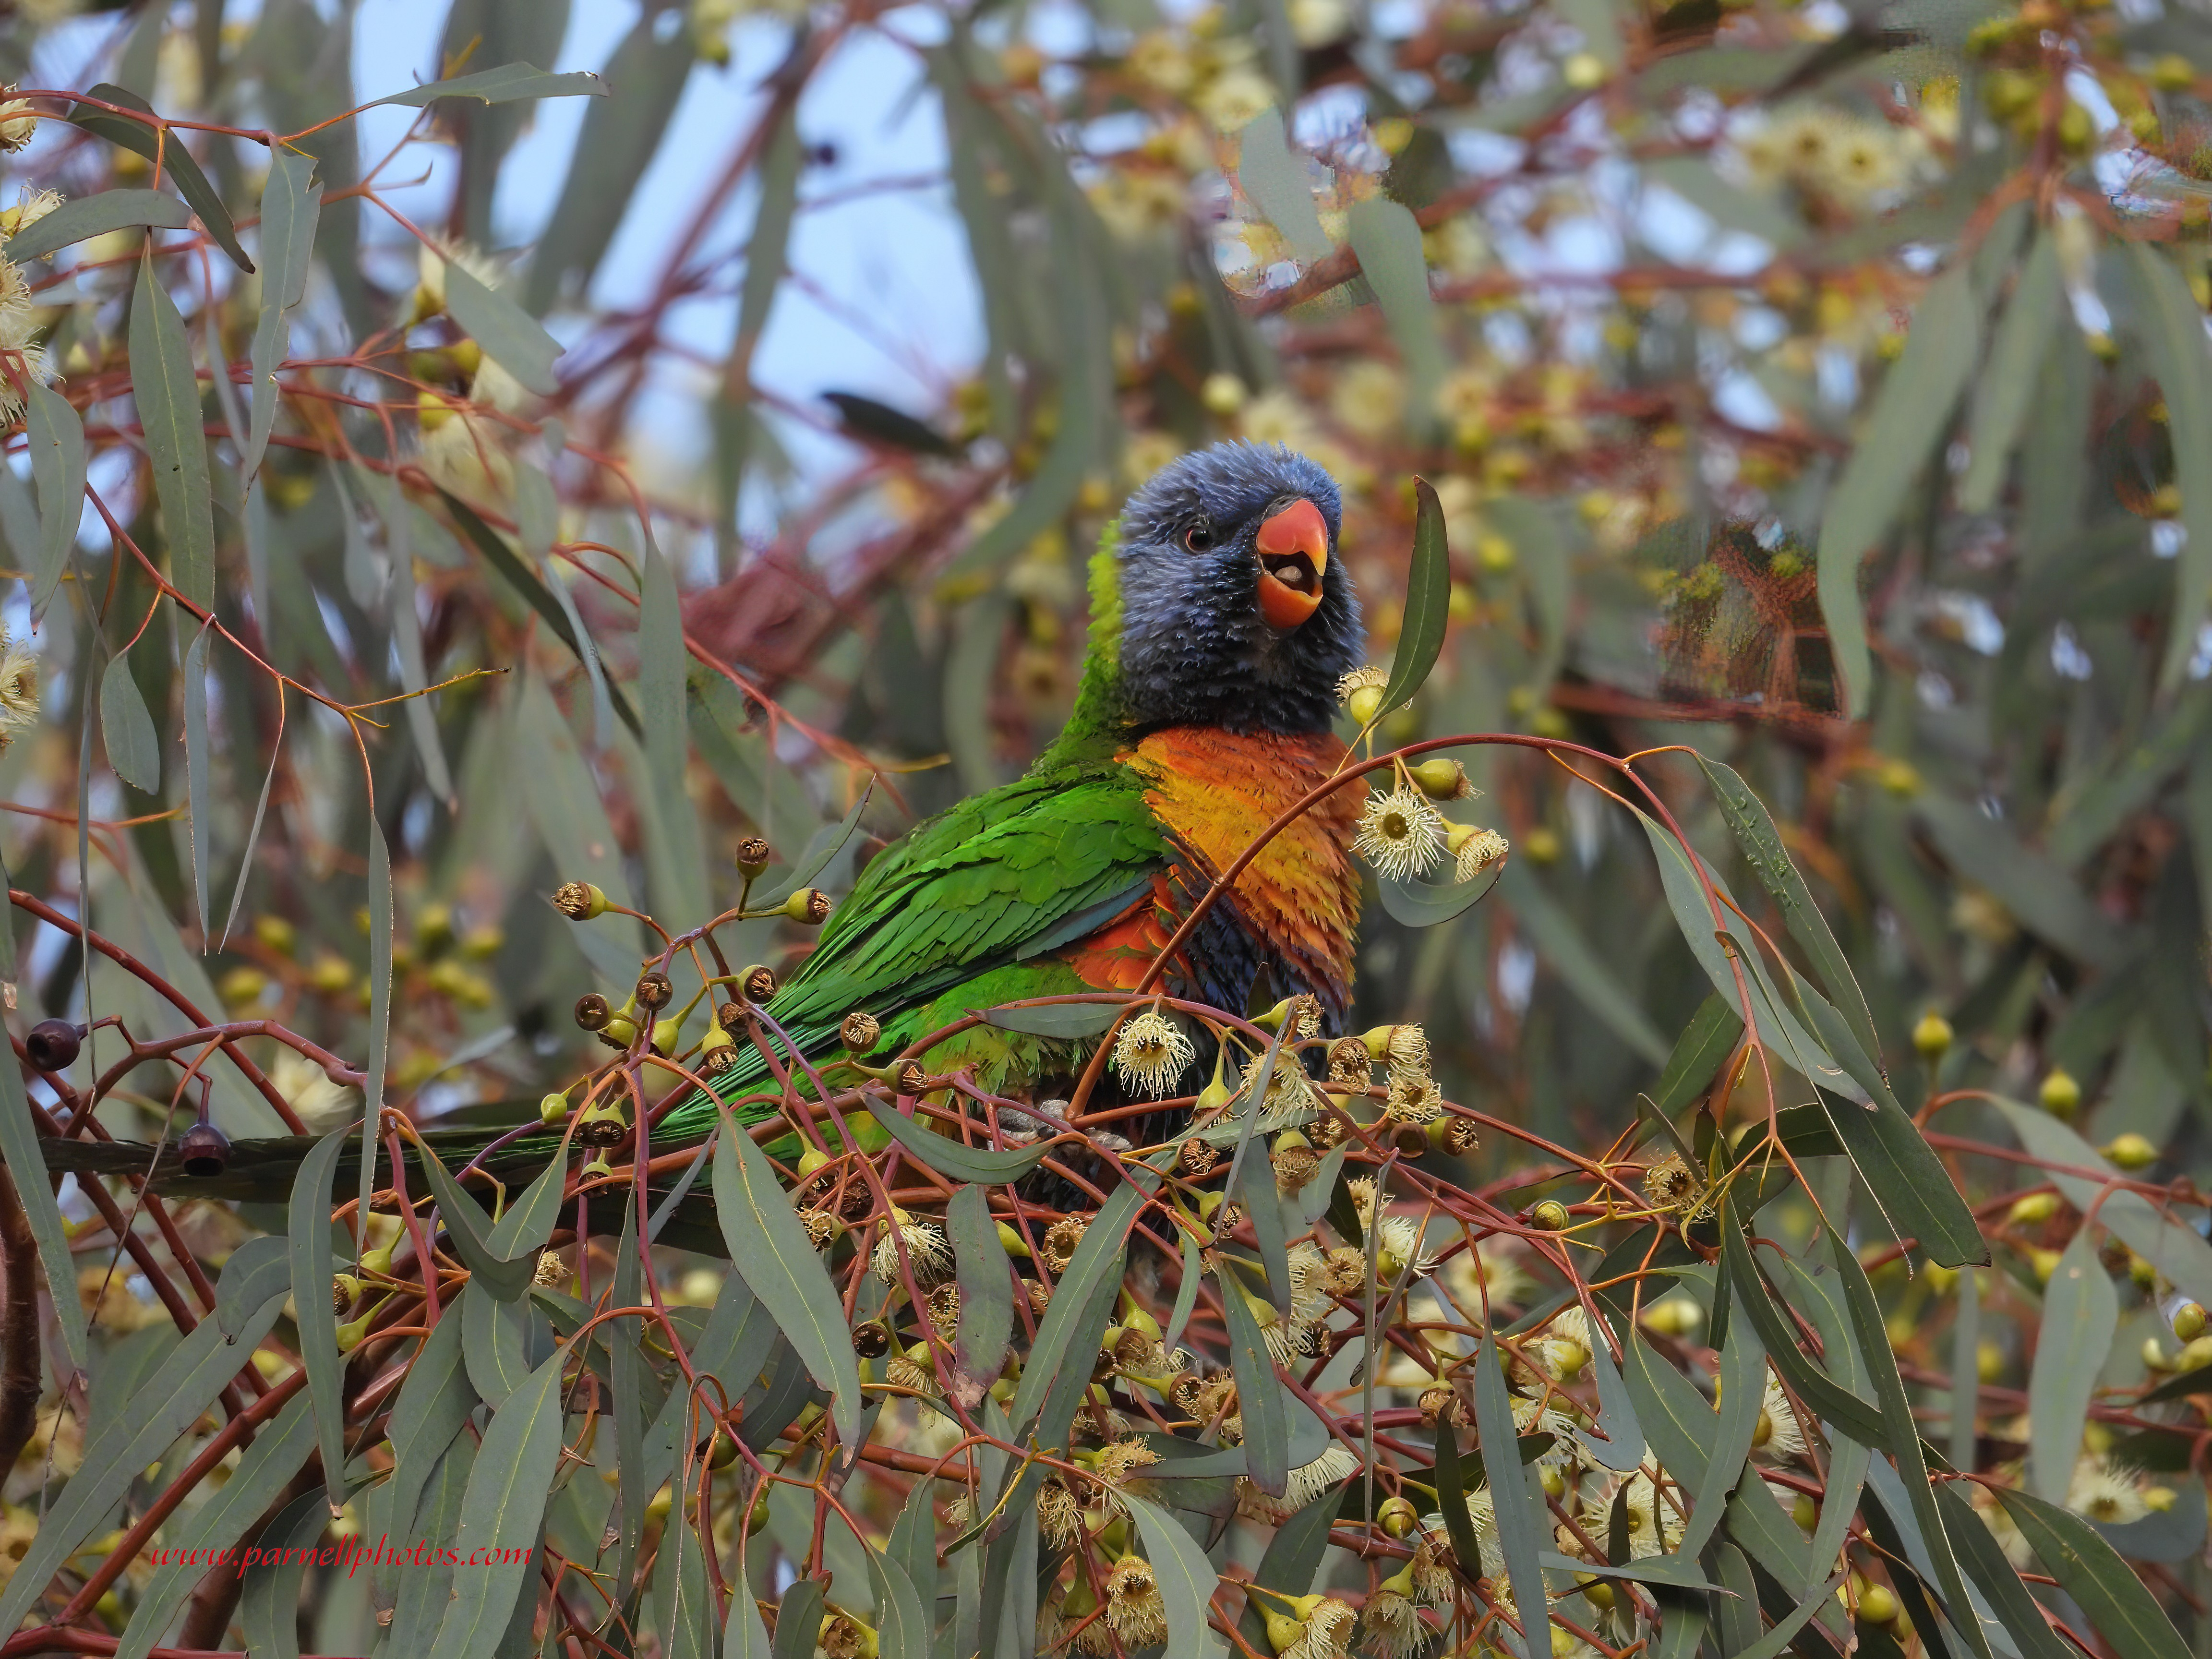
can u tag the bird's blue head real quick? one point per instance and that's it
(1235, 610)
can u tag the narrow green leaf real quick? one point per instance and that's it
(1082, 1304)
(198, 759)
(133, 751)
(1057, 1019)
(769, 1248)
(54, 434)
(291, 208)
(161, 1409)
(2172, 325)
(1275, 181)
(1431, 903)
(684, 1607)
(1743, 1378)
(1260, 1397)
(1966, 1370)
(2091, 1571)
(380, 1013)
(2006, 391)
(1186, 1302)
(631, 1376)
(19, 1150)
(269, 1605)
(1292, 1559)
(280, 1447)
(913, 1544)
(253, 840)
(1784, 1631)
(1622, 1449)
(176, 161)
(1902, 431)
(308, 1226)
(1428, 600)
(1818, 1391)
(1452, 1494)
(903, 1625)
(1752, 825)
(466, 1224)
(1902, 1438)
(2081, 1314)
(1984, 1559)
(1186, 1578)
(95, 216)
(1677, 1570)
(986, 1295)
(948, 1156)
(1523, 1529)
(168, 393)
(433, 1407)
(1697, 1055)
(256, 1270)
(510, 336)
(502, 1512)
(744, 1636)
(1387, 238)
(502, 85)
(799, 1621)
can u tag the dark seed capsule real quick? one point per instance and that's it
(753, 856)
(52, 1044)
(757, 982)
(731, 1016)
(594, 1011)
(872, 1339)
(205, 1151)
(654, 991)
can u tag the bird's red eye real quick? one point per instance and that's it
(1199, 537)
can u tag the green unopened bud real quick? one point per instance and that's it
(2034, 1209)
(345, 1288)
(1398, 1517)
(665, 1035)
(2061, 1095)
(553, 1109)
(2131, 1152)
(756, 1517)
(1551, 1215)
(1804, 1511)
(2189, 1321)
(377, 1262)
(1013, 1242)
(1439, 778)
(619, 1032)
(1933, 1036)
(351, 1336)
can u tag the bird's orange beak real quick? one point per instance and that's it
(1293, 549)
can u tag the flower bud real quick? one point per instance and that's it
(2061, 1095)
(1933, 1036)
(205, 1151)
(1440, 778)
(351, 1336)
(619, 1032)
(1877, 1604)
(377, 1262)
(1551, 1215)
(809, 906)
(553, 1109)
(756, 983)
(580, 901)
(665, 1032)
(2189, 1320)
(2131, 1152)
(753, 856)
(1010, 1241)
(2034, 1209)
(1398, 1517)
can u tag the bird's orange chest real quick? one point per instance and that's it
(1216, 793)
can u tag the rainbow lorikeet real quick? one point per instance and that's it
(1221, 622)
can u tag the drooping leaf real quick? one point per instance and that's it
(1290, 1562)
(502, 1513)
(19, 1149)
(127, 729)
(1275, 181)
(1697, 1055)
(433, 1405)
(197, 759)
(1428, 600)
(162, 1408)
(466, 1224)
(502, 85)
(175, 159)
(1387, 239)
(94, 215)
(1452, 1494)
(986, 1294)
(54, 434)
(2173, 328)
(1984, 1561)
(168, 393)
(269, 1605)
(291, 208)
(510, 336)
(1067, 1339)
(1903, 430)
(902, 1624)
(770, 1249)
(1057, 1019)
(308, 1226)
(1431, 903)
(2006, 392)
(1522, 1528)
(1187, 1580)
(380, 1012)
(2091, 1571)
(948, 1156)
(1260, 1397)
(2080, 1313)
(265, 1470)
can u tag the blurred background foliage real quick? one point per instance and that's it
(1823, 387)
